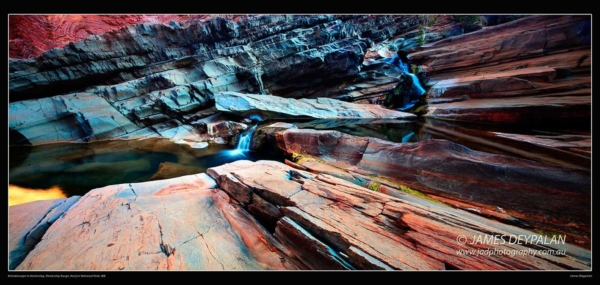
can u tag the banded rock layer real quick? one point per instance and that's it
(160, 80)
(267, 215)
(530, 194)
(531, 71)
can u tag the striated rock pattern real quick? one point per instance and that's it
(269, 215)
(340, 202)
(162, 78)
(322, 108)
(29, 222)
(531, 71)
(532, 193)
(572, 149)
(265, 51)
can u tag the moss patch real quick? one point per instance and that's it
(411, 191)
(370, 183)
(374, 186)
(299, 158)
(550, 234)
(420, 194)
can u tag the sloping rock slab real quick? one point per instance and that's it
(321, 108)
(28, 222)
(176, 224)
(330, 223)
(532, 191)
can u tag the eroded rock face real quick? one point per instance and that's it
(269, 215)
(155, 80)
(331, 223)
(31, 35)
(270, 52)
(177, 224)
(76, 117)
(531, 71)
(532, 192)
(321, 108)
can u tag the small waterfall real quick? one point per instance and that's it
(244, 141)
(417, 85)
(416, 90)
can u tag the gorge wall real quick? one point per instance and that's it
(153, 79)
(339, 201)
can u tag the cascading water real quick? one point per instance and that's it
(416, 90)
(243, 145)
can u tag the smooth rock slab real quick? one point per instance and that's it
(68, 118)
(176, 224)
(320, 108)
(28, 222)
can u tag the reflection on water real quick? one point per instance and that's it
(19, 195)
(77, 168)
(74, 169)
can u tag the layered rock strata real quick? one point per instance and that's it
(531, 71)
(155, 80)
(532, 194)
(322, 108)
(267, 215)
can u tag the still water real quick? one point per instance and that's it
(64, 170)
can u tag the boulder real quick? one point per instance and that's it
(263, 138)
(225, 129)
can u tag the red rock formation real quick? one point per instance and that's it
(314, 221)
(535, 70)
(572, 149)
(29, 222)
(31, 35)
(330, 223)
(532, 192)
(176, 224)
